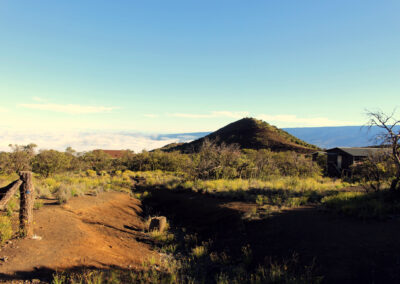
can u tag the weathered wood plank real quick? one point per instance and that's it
(6, 193)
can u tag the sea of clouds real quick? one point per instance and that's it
(86, 141)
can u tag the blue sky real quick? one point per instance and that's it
(187, 66)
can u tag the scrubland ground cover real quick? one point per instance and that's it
(187, 258)
(269, 182)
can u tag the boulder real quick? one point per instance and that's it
(158, 224)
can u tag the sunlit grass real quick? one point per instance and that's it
(297, 184)
(65, 186)
(199, 251)
(364, 204)
(6, 231)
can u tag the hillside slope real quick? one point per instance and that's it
(249, 133)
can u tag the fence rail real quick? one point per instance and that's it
(27, 191)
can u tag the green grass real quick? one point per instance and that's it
(365, 205)
(163, 237)
(38, 204)
(199, 251)
(279, 192)
(64, 186)
(297, 184)
(6, 231)
(289, 192)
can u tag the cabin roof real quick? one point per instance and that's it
(115, 153)
(356, 151)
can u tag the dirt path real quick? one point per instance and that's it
(345, 250)
(89, 231)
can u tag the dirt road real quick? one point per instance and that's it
(89, 231)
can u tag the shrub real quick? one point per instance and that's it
(98, 160)
(63, 194)
(199, 251)
(50, 161)
(377, 170)
(38, 204)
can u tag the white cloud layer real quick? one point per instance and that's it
(151, 115)
(68, 108)
(83, 141)
(38, 99)
(214, 114)
(288, 120)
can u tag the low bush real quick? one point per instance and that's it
(63, 194)
(38, 204)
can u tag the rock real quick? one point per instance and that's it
(158, 224)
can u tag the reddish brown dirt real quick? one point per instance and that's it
(90, 231)
(346, 250)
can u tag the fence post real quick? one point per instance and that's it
(26, 204)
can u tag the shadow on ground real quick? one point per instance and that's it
(345, 250)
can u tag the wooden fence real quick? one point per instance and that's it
(27, 190)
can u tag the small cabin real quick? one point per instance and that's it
(114, 154)
(341, 158)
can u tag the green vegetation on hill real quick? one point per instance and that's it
(211, 161)
(250, 133)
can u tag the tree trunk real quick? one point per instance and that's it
(26, 206)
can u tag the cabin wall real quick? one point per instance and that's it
(348, 160)
(334, 169)
(332, 164)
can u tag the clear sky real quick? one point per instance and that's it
(187, 66)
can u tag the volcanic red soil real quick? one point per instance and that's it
(89, 231)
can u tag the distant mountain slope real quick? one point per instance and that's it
(249, 133)
(323, 137)
(340, 136)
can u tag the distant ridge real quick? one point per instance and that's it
(339, 136)
(249, 133)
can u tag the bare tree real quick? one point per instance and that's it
(375, 170)
(390, 137)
